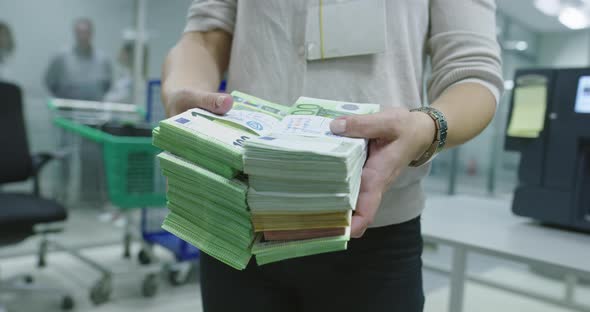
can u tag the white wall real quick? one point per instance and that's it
(40, 35)
(42, 28)
(568, 49)
(165, 23)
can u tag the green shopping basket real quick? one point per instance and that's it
(133, 181)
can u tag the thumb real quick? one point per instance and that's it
(182, 100)
(219, 103)
(363, 126)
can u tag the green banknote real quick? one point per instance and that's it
(303, 147)
(330, 109)
(234, 189)
(216, 142)
(208, 210)
(207, 242)
(302, 165)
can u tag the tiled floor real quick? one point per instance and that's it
(77, 278)
(102, 243)
(82, 229)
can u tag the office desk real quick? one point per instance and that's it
(487, 226)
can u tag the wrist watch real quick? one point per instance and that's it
(440, 136)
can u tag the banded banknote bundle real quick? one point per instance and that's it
(208, 211)
(216, 142)
(304, 179)
(264, 179)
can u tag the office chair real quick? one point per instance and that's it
(24, 215)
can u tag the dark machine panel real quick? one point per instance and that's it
(565, 131)
(554, 171)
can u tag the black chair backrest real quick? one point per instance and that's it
(15, 158)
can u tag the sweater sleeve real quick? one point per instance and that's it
(206, 15)
(462, 46)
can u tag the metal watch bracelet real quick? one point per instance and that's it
(440, 137)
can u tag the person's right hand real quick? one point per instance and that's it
(181, 100)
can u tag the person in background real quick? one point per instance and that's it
(6, 48)
(122, 90)
(375, 51)
(81, 72)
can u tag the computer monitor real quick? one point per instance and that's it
(582, 105)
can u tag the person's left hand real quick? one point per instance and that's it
(397, 136)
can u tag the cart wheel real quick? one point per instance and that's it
(144, 257)
(149, 286)
(67, 303)
(176, 278)
(127, 246)
(42, 254)
(28, 279)
(100, 292)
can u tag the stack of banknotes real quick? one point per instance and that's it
(304, 181)
(208, 210)
(302, 188)
(216, 142)
(202, 161)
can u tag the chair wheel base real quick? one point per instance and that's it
(149, 286)
(28, 279)
(67, 303)
(101, 292)
(144, 257)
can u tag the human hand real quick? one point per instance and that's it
(181, 100)
(397, 136)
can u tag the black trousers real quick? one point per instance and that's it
(382, 271)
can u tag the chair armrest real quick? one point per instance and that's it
(39, 162)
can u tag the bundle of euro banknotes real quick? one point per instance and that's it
(264, 179)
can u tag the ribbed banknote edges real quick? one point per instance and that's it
(193, 154)
(189, 170)
(299, 221)
(272, 251)
(207, 242)
(208, 210)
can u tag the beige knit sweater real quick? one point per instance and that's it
(268, 60)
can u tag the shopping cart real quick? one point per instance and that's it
(134, 181)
